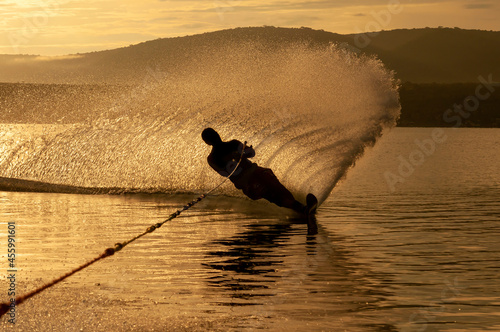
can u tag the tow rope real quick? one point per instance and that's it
(6, 307)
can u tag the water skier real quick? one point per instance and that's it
(255, 182)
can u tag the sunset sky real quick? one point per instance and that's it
(57, 27)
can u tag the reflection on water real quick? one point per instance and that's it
(297, 281)
(224, 264)
(247, 262)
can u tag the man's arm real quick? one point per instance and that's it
(216, 167)
(249, 152)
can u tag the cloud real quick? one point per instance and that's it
(195, 25)
(479, 6)
(83, 25)
(30, 59)
(280, 5)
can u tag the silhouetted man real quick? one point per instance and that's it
(255, 182)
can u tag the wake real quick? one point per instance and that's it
(309, 111)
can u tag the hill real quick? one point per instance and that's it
(437, 67)
(440, 55)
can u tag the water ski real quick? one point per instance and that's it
(312, 204)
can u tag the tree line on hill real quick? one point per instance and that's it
(448, 105)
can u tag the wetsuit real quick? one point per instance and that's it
(255, 182)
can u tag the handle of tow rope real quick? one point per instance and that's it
(245, 145)
(232, 166)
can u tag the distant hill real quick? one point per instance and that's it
(438, 68)
(440, 55)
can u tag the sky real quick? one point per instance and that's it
(60, 27)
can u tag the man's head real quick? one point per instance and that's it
(210, 136)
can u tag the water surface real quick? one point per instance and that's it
(418, 256)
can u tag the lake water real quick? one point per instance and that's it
(407, 242)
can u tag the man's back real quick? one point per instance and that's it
(226, 155)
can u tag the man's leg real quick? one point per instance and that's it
(277, 193)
